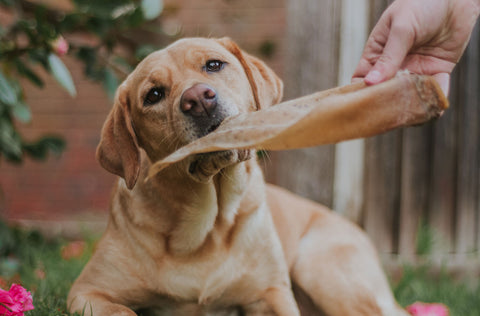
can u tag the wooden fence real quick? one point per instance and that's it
(393, 183)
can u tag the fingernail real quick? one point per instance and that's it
(445, 88)
(373, 77)
(356, 79)
(444, 82)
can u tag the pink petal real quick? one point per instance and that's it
(22, 299)
(60, 46)
(6, 312)
(5, 298)
(437, 309)
(427, 309)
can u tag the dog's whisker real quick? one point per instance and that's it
(265, 158)
(227, 176)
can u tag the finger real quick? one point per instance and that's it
(361, 71)
(399, 42)
(373, 48)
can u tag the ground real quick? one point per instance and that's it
(48, 266)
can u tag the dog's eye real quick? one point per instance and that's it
(214, 65)
(154, 96)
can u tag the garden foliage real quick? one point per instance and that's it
(98, 33)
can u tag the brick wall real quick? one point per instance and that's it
(65, 186)
(74, 187)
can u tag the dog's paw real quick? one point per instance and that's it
(205, 166)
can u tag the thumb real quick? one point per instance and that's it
(398, 44)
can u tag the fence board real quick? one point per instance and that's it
(442, 183)
(429, 173)
(376, 9)
(349, 156)
(467, 96)
(382, 189)
(378, 212)
(311, 65)
(416, 155)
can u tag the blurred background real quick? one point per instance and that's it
(415, 191)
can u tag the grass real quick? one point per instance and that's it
(421, 284)
(29, 259)
(43, 267)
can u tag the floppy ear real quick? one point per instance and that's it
(266, 86)
(118, 151)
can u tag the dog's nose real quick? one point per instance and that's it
(198, 100)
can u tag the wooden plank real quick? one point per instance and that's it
(349, 156)
(382, 189)
(310, 65)
(376, 9)
(441, 216)
(467, 96)
(416, 155)
(381, 175)
(349, 178)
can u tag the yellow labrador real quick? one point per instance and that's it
(207, 236)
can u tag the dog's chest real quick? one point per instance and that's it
(201, 282)
(219, 277)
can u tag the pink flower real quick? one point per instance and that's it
(60, 46)
(426, 309)
(16, 301)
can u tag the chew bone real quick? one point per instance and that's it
(330, 116)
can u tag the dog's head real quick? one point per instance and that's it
(179, 94)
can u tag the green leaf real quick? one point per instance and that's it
(39, 149)
(110, 83)
(61, 74)
(7, 3)
(10, 141)
(7, 91)
(28, 73)
(22, 112)
(151, 8)
(143, 51)
(123, 63)
(39, 55)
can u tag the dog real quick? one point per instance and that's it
(208, 236)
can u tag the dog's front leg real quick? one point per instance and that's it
(98, 305)
(276, 302)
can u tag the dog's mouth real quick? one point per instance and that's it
(203, 166)
(213, 128)
(207, 164)
(205, 126)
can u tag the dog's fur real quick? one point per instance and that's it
(207, 236)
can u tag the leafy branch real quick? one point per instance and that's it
(98, 33)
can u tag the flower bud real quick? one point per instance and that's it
(60, 46)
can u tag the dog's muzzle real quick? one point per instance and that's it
(200, 104)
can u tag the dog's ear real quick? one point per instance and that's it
(266, 86)
(118, 151)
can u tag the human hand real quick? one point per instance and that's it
(424, 36)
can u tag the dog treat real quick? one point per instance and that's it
(326, 117)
